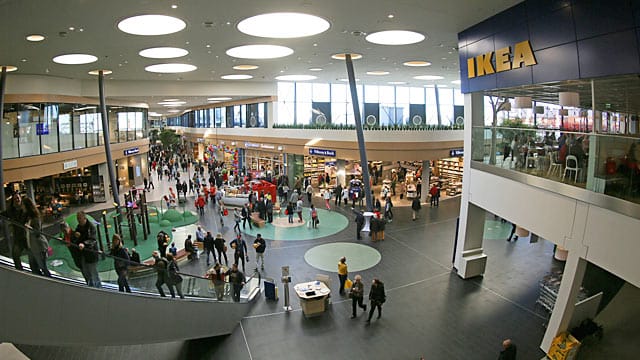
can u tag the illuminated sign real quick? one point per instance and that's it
(251, 145)
(322, 152)
(70, 164)
(504, 60)
(131, 151)
(456, 152)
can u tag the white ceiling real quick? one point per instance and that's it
(438, 20)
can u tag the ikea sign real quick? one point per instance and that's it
(505, 60)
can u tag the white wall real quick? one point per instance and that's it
(611, 240)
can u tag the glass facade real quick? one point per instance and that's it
(245, 115)
(45, 128)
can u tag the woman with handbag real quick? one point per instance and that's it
(377, 298)
(174, 279)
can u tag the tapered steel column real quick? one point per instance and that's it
(107, 143)
(363, 152)
(3, 84)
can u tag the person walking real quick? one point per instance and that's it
(342, 273)
(513, 231)
(200, 202)
(509, 350)
(338, 194)
(299, 209)
(313, 214)
(237, 217)
(209, 246)
(309, 191)
(260, 245)
(240, 253)
(237, 281)
(388, 214)
(174, 280)
(85, 235)
(120, 263)
(377, 297)
(246, 213)
(160, 266)
(357, 295)
(289, 212)
(359, 223)
(221, 248)
(327, 196)
(36, 241)
(217, 278)
(415, 207)
(345, 196)
(16, 212)
(435, 195)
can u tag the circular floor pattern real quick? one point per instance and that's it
(331, 222)
(359, 257)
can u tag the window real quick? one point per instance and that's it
(49, 130)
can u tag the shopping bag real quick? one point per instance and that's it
(225, 212)
(348, 284)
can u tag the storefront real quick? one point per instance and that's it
(320, 163)
(264, 161)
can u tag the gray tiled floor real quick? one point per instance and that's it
(430, 311)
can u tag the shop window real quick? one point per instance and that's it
(10, 135)
(48, 130)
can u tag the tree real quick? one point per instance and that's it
(169, 138)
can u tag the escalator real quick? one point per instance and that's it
(63, 310)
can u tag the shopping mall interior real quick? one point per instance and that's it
(504, 133)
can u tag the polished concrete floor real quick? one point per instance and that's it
(429, 312)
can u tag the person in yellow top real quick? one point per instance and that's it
(342, 273)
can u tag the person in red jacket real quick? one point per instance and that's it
(200, 202)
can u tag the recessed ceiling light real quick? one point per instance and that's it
(236, 77)
(343, 56)
(172, 105)
(416, 63)
(71, 28)
(151, 25)
(163, 52)
(213, 101)
(456, 82)
(245, 67)
(170, 100)
(284, 25)
(397, 82)
(9, 68)
(97, 72)
(153, 113)
(170, 68)
(390, 16)
(315, 69)
(346, 80)
(75, 59)
(428, 77)
(174, 111)
(259, 51)
(174, 6)
(35, 37)
(296, 77)
(377, 72)
(223, 98)
(395, 37)
(176, 102)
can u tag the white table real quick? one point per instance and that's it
(312, 296)
(367, 221)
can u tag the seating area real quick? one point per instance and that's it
(255, 218)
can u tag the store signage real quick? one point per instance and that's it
(200, 140)
(42, 129)
(322, 152)
(251, 145)
(504, 60)
(70, 164)
(456, 152)
(131, 151)
(266, 146)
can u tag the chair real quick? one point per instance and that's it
(554, 164)
(571, 165)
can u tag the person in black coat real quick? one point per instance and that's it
(359, 223)
(508, 350)
(415, 207)
(377, 298)
(240, 247)
(120, 263)
(209, 246)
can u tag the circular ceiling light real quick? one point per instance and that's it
(343, 56)
(74, 59)
(296, 77)
(9, 68)
(397, 82)
(97, 72)
(35, 37)
(151, 25)
(377, 73)
(283, 25)
(245, 67)
(236, 77)
(259, 51)
(416, 63)
(163, 52)
(170, 68)
(315, 69)
(395, 37)
(428, 77)
(456, 82)
(223, 98)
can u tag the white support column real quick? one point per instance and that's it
(341, 177)
(470, 259)
(426, 179)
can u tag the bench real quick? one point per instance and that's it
(147, 265)
(255, 218)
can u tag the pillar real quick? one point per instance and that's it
(103, 174)
(426, 180)
(30, 192)
(469, 258)
(341, 176)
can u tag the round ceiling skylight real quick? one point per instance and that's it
(75, 59)
(296, 77)
(170, 68)
(35, 37)
(343, 56)
(97, 72)
(245, 67)
(259, 51)
(315, 69)
(151, 25)
(236, 77)
(284, 25)
(377, 73)
(428, 77)
(223, 98)
(9, 68)
(395, 37)
(163, 52)
(416, 63)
